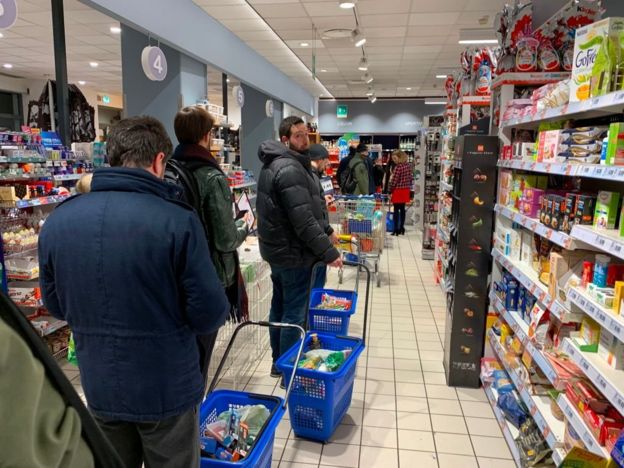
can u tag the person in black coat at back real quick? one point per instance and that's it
(344, 163)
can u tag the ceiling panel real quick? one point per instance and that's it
(428, 6)
(376, 21)
(373, 7)
(434, 19)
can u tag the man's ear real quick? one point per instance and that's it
(158, 166)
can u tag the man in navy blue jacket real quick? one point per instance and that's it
(129, 268)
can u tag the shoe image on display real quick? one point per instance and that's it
(470, 294)
(477, 200)
(464, 349)
(474, 246)
(468, 331)
(469, 313)
(476, 222)
(471, 271)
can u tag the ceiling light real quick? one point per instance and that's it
(115, 29)
(347, 4)
(363, 65)
(435, 103)
(304, 44)
(442, 77)
(93, 64)
(374, 100)
(227, 80)
(1, 35)
(370, 93)
(7, 65)
(367, 78)
(323, 70)
(82, 83)
(477, 36)
(478, 41)
(409, 89)
(358, 38)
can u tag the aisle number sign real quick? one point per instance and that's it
(8, 13)
(342, 111)
(154, 63)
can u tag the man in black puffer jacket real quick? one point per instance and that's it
(290, 229)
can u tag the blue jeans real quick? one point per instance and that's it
(288, 305)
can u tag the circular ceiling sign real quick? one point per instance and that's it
(8, 13)
(239, 95)
(154, 63)
(270, 108)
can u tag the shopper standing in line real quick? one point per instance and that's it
(343, 165)
(290, 228)
(401, 183)
(319, 158)
(359, 168)
(132, 280)
(193, 129)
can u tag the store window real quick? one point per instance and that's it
(10, 111)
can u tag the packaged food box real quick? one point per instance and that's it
(615, 149)
(586, 45)
(605, 214)
(611, 350)
(584, 395)
(585, 209)
(548, 145)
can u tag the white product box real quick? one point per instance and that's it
(611, 350)
(585, 50)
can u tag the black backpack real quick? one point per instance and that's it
(180, 174)
(348, 182)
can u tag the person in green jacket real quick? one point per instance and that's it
(360, 170)
(193, 128)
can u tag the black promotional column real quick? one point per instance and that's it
(471, 238)
(60, 64)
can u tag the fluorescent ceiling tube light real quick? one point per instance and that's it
(442, 77)
(93, 64)
(435, 103)
(363, 66)
(82, 83)
(477, 36)
(358, 39)
(115, 29)
(478, 41)
(304, 44)
(370, 93)
(7, 66)
(347, 4)
(367, 78)
(374, 100)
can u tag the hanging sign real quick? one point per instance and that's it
(342, 111)
(269, 108)
(154, 63)
(239, 95)
(8, 13)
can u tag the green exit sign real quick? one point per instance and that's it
(342, 112)
(106, 99)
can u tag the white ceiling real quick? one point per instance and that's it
(28, 45)
(409, 41)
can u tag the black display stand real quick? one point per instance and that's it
(474, 196)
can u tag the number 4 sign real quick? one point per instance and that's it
(154, 63)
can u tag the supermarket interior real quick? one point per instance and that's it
(457, 165)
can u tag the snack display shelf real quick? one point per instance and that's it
(509, 431)
(24, 178)
(557, 237)
(528, 79)
(53, 325)
(592, 171)
(443, 235)
(474, 100)
(614, 324)
(7, 160)
(608, 104)
(26, 251)
(607, 240)
(446, 187)
(521, 329)
(65, 177)
(528, 278)
(242, 186)
(580, 427)
(539, 406)
(609, 381)
(41, 201)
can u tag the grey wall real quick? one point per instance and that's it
(613, 8)
(141, 95)
(188, 28)
(391, 116)
(256, 127)
(194, 80)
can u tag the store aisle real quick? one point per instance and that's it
(402, 412)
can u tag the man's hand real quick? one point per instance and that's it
(334, 238)
(337, 263)
(247, 218)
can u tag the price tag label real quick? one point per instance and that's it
(611, 172)
(600, 241)
(588, 441)
(618, 98)
(601, 383)
(620, 174)
(533, 226)
(595, 102)
(585, 365)
(615, 328)
(617, 247)
(533, 410)
(598, 171)
(601, 317)
(586, 170)
(619, 402)
(549, 234)
(546, 432)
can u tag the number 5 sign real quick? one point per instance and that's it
(8, 13)
(154, 63)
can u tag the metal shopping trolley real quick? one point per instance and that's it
(360, 222)
(219, 401)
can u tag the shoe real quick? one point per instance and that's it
(402, 232)
(282, 383)
(275, 372)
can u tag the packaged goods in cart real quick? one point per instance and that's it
(324, 360)
(329, 302)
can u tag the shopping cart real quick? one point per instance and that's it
(219, 401)
(360, 223)
(319, 400)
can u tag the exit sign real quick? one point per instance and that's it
(106, 99)
(342, 112)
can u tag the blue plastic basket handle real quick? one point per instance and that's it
(261, 324)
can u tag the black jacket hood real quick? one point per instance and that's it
(270, 150)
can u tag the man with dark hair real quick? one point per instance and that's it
(359, 167)
(126, 266)
(193, 128)
(290, 228)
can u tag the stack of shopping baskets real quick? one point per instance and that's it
(319, 400)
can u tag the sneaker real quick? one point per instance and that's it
(282, 383)
(275, 372)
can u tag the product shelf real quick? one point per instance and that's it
(608, 104)
(591, 171)
(474, 100)
(539, 406)
(609, 381)
(54, 325)
(607, 240)
(580, 427)
(7, 160)
(242, 186)
(557, 237)
(443, 236)
(528, 278)
(528, 79)
(521, 329)
(61, 178)
(614, 324)
(446, 187)
(510, 433)
(41, 201)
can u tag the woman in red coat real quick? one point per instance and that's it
(401, 183)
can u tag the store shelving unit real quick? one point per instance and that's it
(433, 146)
(590, 171)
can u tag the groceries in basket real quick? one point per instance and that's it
(323, 360)
(329, 302)
(233, 434)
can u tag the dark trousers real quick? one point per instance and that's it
(288, 305)
(399, 217)
(169, 443)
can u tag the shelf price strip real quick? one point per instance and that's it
(531, 224)
(600, 240)
(594, 171)
(605, 318)
(502, 422)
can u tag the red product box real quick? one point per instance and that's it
(507, 152)
(533, 196)
(584, 395)
(601, 425)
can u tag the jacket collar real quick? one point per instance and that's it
(271, 150)
(123, 179)
(195, 153)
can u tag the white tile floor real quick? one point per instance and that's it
(402, 413)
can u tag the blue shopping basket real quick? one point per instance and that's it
(327, 320)
(319, 400)
(219, 401)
